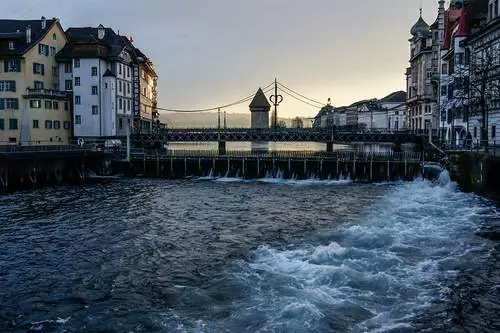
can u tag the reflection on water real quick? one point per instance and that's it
(284, 146)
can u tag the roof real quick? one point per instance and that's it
(79, 39)
(420, 29)
(260, 101)
(109, 73)
(16, 30)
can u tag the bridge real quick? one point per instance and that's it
(282, 135)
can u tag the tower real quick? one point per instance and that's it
(259, 107)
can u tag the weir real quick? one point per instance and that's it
(359, 166)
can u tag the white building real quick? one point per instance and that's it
(97, 66)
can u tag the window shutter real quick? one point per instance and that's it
(43, 69)
(13, 86)
(5, 66)
(34, 68)
(18, 65)
(2, 104)
(15, 104)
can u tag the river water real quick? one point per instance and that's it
(227, 255)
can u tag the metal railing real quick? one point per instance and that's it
(46, 92)
(342, 155)
(487, 147)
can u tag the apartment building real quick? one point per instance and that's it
(34, 109)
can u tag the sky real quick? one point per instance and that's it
(214, 52)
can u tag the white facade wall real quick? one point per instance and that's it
(124, 97)
(91, 124)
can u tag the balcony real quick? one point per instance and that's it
(45, 93)
(419, 97)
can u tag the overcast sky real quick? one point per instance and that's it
(213, 52)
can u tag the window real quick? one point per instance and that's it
(54, 71)
(8, 85)
(493, 131)
(35, 104)
(128, 105)
(67, 68)
(119, 68)
(57, 124)
(66, 106)
(48, 124)
(38, 68)
(13, 124)
(460, 58)
(105, 86)
(9, 103)
(429, 74)
(128, 88)
(94, 90)
(11, 45)
(54, 37)
(120, 123)
(48, 105)
(35, 123)
(119, 103)
(68, 84)
(444, 68)
(77, 81)
(475, 132)
(52, 51)
(55, 105)
(94, 71)
(95, 109)
(76, 63)
(78, 120)
(67, 125)
(120, 86)
(43, 49)
(38, 85)
(444, 90)
(13, 65)
(128, 71)
(78, 100)
(2, 124)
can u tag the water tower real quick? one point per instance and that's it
(260, 110)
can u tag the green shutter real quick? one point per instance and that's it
(2, 124)
(15, 105)
(34, 68)
(5, 66)
(43, 69)
(18, 65)
(2, 103)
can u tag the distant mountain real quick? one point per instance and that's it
(209, 120)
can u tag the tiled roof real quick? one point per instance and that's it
(260, 101)
(16, 30)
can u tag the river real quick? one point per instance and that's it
(227, 255)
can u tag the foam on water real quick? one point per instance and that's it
(373, 275)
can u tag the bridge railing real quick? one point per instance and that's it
(342, 155)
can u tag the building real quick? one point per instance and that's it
(483, 46)
(461, 20)
(147, 91)
(371, 114)
(422, 77)
(101, 70)
(34, 109)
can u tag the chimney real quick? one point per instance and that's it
(28, 34)
(44, 22)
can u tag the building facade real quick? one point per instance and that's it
(101, 69)
(147, 91)
(422, 77)
(35, 108)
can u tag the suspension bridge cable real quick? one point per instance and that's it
(243, 100)
(296, 93)
(300, 100)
